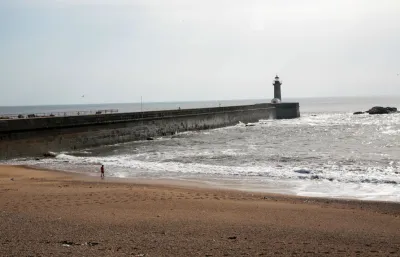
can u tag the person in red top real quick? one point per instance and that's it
(102, 171)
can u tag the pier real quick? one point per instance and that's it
(35, 136)
(56, 114)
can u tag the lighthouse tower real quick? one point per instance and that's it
(277, 89)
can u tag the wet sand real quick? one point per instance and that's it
(49, 213)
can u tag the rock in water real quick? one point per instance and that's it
(381, 110)
(392, 109)
(303, 171)
(358, 113)
(50, 155)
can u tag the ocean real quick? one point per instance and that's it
(327, 152)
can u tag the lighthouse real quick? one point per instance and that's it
(277, 90)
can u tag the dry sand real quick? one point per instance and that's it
(48, 213)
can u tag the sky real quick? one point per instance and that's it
(111, 51)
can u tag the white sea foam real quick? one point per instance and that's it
(331, 172)
(329, 155)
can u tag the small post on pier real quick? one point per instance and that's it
(141, 106)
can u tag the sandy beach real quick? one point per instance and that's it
(50, 213)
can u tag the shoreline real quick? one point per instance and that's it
(203, 185)
(52, 213)
(212, 183)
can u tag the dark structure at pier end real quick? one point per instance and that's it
(277, 90)
(283, 110)
(34, 136)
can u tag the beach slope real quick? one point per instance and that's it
(49, 213)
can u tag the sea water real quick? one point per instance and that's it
(327, 152)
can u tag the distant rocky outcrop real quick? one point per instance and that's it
(379, 110)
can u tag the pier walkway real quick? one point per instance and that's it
(56, 114)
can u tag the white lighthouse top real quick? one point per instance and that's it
(276, 80)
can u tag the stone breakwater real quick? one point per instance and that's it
(36, 136)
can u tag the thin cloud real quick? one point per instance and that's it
(196, 50)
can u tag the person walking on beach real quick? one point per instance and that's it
(102, 171)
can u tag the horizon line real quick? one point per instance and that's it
(180, 101)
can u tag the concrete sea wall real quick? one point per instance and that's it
(36, 136)
(286, 110)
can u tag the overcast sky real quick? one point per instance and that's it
(55, 51)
